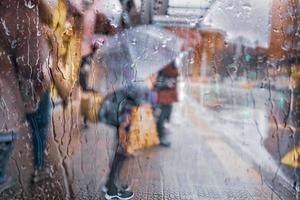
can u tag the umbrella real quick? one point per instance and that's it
(243, 21)
(135, 54)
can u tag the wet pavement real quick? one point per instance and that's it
(207, 159)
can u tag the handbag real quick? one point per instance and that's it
(142, 131)
(90, 104)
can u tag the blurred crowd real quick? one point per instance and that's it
(53, 43)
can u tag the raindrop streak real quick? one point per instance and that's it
(29, 4)
(7, 32)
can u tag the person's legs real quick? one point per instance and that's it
(83, 79)
(162, 114)
(116, 166)
(169, 112)
(39, 122)
(114, 174)
(84, 72)
(115, 171)
(114, 111)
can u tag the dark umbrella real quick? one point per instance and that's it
(135, 54)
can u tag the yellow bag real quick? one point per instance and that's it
(143, 132)
(89, 105)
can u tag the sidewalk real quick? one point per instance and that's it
(199, 164)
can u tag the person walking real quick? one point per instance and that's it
(166, 90)
(115, 111)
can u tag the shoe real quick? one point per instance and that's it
(164, 142)
(84, 126)
(8, 183)
(40, 175)
(296, 186)
(85, 123)
(124, 187)
(122, 195)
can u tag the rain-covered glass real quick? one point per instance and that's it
(149, 99)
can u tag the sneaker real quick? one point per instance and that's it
(296, 186)
(164, 142)
(122, 195)
(85, 124)
(40, 175)
(124, 187)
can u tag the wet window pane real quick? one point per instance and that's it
(141, 99)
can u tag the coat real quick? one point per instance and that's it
(166, 85)
(121, 102)
(23, 36)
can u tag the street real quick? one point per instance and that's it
(80, 79)
(212, 156)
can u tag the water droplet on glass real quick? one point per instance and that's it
(29, 4)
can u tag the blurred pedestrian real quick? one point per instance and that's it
(23, 37)
(115, 111)
(94, 22)
(130, 15)
(166, 89)
(39, 123)
(64, 41)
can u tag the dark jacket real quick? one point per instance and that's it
(121, 101)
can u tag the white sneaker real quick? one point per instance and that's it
(122, 195)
